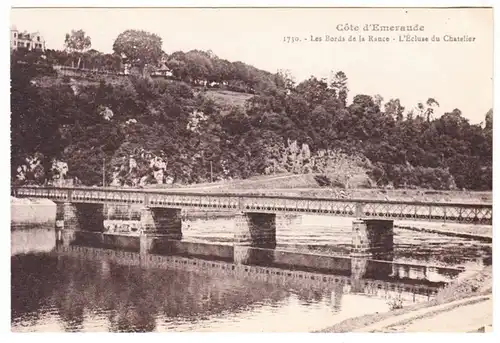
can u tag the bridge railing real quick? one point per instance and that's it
(367, 208)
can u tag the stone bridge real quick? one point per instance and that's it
(255, 216)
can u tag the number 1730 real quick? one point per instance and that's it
(291, 39)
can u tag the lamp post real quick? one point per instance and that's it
(211, 173)
(104, 172)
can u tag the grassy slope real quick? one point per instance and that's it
(227, 99)
(305, 185)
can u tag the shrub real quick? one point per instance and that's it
(395, 303)
(323, 180)
(407, 176)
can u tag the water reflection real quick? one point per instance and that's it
(56, 292)
(71, 293)
(32, 238)
(336, 297)
(132, 297)
(357, 268)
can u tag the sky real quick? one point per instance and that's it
(457, 74)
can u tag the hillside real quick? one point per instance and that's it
(305, 185)
(225, 99)
(190, 128)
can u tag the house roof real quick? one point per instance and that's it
(25, 33)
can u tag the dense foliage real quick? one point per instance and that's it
(83, 123)
(138, 48)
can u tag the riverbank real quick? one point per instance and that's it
(482, 233)
(469, 315)
(463, 289)
(29, 212)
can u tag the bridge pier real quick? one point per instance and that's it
(159, 223)
(253, 230)
(373, 238)
(256, 229)
(165, 222)
(79, 217)
(83, 217)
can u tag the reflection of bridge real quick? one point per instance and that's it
(82, 209)
(358, 275)
(130, 292)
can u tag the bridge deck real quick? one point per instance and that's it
(359, 208)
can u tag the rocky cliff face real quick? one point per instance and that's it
(337, 168)
(141, 168)
(32, 169)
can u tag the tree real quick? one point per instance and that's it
(427, 110)
(77, 42)
(200, 65)
(394, 109)
(378, 99)
(314, 91)
(284, 79)
(138, 48)
(410, 115)
(488, 120)
(339, 83)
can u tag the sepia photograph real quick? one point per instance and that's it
(251, 169)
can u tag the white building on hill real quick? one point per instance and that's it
(26, 40)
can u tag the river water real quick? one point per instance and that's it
(54, 291)
(332, 235)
